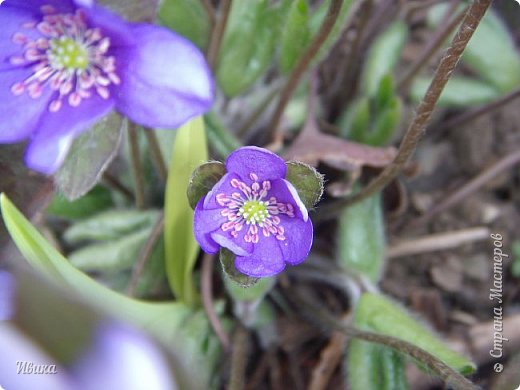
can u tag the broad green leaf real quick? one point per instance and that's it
(186, 17)
(90, 154)
(227, 260)
(383, 56)
(203, 179)
(112, 256)
(361, 238)
(374, 367)
(109, 225)
(459, 92)
(248, 45)
(377, 313)
(96, 200)
(307, 181)
(295, 35)
(491, 52)
(190, 150)
(166, 321)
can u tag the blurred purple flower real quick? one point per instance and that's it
(7, 291)
(256, 214)
(64, 64)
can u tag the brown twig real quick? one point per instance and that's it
(433, 46)
(218, 33)
(418, 126)
(300, 68)
(508, 161)
(207, 300)
(330, 357)
(436, 242)
(145, 254)
(210, 11)
(156, 154)
(239, 358)
(137, 171)
(113, 182)
(474, 113)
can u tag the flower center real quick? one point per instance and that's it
(254, 211)
(66, 53)
(249, 208)
(69, 57)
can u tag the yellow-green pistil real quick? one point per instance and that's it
(66, 53)
(254, 211)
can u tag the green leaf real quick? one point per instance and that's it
(165, 320)
(90, 154)
(356, 121)
(227, 260)
(96, 200)
(190, 150)
(307, 181)
(188, 18)
(203, 179)
(248, 45)
(383, 56)
(491, 52)
(361, 238)
(111, 256)
(385, 124)
(109, 225)
(295, 35)
(374, 367)
(515, 266)
(377, 313)
(459, 92)
(385, 92)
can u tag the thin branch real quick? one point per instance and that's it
(316, 311)
(300, 68)
(137, 171)
(145, 254)
(463, 192)
(210, 11)
(473, 114)
(207, 300)
(218, 33)
(156, 154)
(434, 45)
(417, 128)
(437, 242)
(113, 182)
(239, 358)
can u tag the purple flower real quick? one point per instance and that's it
(256, 214)
(64, 64)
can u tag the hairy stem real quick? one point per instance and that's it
(156, 154)
(218, 33)
(145, 254)
(300, 68)
(417, 128)
(135, 160)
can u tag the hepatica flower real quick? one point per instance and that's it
(256, 214)
(64, 64)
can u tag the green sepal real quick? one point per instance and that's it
(307, 181)
(203, 179)
(227, 259)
